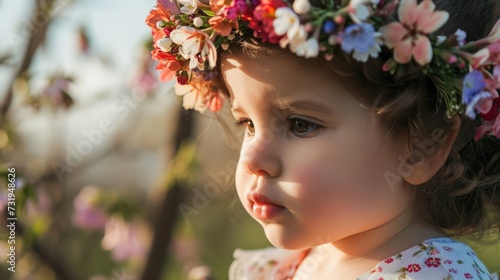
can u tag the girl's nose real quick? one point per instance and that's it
(260, 155)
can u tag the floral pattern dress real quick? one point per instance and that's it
(439, 258)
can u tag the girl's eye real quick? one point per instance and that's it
(248, 124)
(302, 128)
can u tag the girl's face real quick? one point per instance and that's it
(315, 165)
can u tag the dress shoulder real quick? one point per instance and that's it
(439, 258)
(260, 264)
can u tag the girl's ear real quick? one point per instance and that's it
(430, 154)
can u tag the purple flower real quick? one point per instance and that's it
(461, 35)
(238, 7)
(358, 37)
(473, 92)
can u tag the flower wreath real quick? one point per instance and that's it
(187, 34)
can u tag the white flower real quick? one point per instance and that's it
(301, 6)
(286, 22)
(309, 48)
(299, 38)
(196, 46)
(359, 9)
(189, 6)
(164, 44)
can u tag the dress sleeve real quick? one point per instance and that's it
(259, 264)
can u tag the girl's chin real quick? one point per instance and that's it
(284, 238)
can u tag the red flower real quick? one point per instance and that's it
(262, 21)
(433, 262)
(167, 63)
(468, 276)
(389, 260)
(413, 267)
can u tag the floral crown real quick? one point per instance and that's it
(187, 34)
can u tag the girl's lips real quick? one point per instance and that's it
(262, 207)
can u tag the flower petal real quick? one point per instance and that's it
(393, 33)
(180, 35)
(429, 23)
(495, 33)
(407, 12)
(422, 51)
(402, 52)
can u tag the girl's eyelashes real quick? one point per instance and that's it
(250, 128)
(302, 128)
(298, 127)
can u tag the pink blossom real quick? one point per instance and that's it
(125, 240)
(87, 214)
(494, 34)
(409, 36)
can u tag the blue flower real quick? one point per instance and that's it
(329, 26)
(358, 37)
(472, 93)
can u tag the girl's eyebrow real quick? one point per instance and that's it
(301, 104)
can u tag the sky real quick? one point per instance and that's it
(116, 28)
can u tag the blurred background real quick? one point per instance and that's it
(113, 179)
(107, 163)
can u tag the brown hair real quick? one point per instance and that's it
(464, 195)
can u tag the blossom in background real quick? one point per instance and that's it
(474, 95)
(87, 214)
(57, 92)
(360, 39)
(125, 240)
(408, 37)
(196, 46)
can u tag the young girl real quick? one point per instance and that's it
(371, 127)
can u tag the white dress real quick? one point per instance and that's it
(438, 258)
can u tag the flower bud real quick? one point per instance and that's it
(301, 6)
(197, 21)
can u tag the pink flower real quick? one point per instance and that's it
(409, 36)
(196, 46)
(494, 34)
(87, 214)
(468, 275)
(125, 240)
(222, 25)
(413, 268)
(491, 122)
(389, 260)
